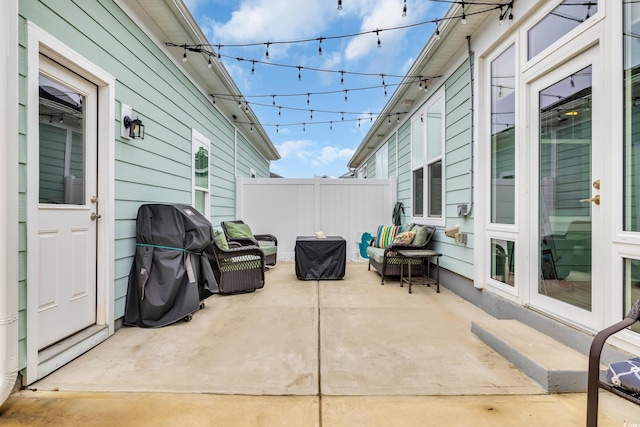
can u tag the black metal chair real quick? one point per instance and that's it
(594, 383)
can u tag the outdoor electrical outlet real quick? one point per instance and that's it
(462, 210)
(461, 238)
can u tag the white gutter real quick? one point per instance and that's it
(9, 194)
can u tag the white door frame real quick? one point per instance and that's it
(601, 238)
(39, 41)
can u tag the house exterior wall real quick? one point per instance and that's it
(457, 257)
(156, 169)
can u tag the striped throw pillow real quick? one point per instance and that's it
(386, 235)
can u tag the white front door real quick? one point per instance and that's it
(67, 209)
(569, 233)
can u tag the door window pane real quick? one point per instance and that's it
(503, 142)
(565, 184)
(631, 116)
(62, 153)
(201, 168)
(564, 18)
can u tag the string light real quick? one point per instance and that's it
(184, 55)
(463, 17)
(341, 77)
(274, 99)
(378, 35)
(320, 47)
(299, 73)
(209, 64)
(339, 4)
(404, 9)
(253, 67)
(345, 95)
(308, 98)
(437, 31)
(266, 55)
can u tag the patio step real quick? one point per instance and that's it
(554, 366)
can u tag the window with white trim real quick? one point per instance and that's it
(201, 176)
(427, 148)
(382, 162)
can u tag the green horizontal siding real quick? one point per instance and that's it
(158, 168)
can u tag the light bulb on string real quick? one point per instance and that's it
(398, 119)
(341, 77)
(304, 127)
(404, 9)
(308, 98)
(385, 90)
(330, 125)
(251, 129)
(320, 47)
(310, 114)
(253, 67)
(279, 111)
(346, 91)
(273, 99)
(209, 64)
(420, 82)
(277, 128)
(213, 98)
(299, 73)
(389, 119)
(379, 43)
(342, 115)
(219, 53)
(184, 55)
(358, 122)
(437, 31)
(371, 117)
(266, 55)
(463, 17)
(339, 4)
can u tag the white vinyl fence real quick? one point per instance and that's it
(288, 208)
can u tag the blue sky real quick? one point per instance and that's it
(314, 148)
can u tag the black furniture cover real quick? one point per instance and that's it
(171, 273)
(320, 259)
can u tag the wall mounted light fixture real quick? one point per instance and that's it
(136, 128)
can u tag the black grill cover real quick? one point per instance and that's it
(171, 273)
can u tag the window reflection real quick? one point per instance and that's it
(62, 157)
(503, 143)
(564, 18)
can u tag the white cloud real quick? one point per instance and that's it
(333, 154)
(263, 20)
(296, 149)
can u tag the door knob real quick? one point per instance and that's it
(595, 199)
(95, 216)
(596, 184)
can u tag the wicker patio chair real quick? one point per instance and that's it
(238, 269)
(243, 235)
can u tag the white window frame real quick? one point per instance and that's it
(438, 97)
(200, 141)
(382, 162)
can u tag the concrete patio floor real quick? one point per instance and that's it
(306, 353)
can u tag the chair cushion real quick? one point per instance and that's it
(220, 240)
(386, 234)
(238, 231)
(405, 238)
(625, 375)
(268, 248)
(422, 231)
(376, 253)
